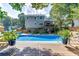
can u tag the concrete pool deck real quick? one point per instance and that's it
(55, 48)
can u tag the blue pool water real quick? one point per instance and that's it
(32, 37)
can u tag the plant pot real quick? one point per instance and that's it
(12, 42)
(65, 40)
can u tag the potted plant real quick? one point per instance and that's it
(65, 35)
(10, 37)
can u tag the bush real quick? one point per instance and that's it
(10, 35)
(38, 31)
(64, 33)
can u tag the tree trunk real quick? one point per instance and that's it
(72, 23)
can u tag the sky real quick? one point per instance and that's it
(27, 9)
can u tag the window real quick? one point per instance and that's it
(34, 17)
(41, 17)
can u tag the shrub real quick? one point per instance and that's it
(64, 33)
(10, 35)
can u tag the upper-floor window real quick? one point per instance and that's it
(41, 17)
(34, 17)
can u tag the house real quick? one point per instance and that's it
(34, 21)
(76, 23)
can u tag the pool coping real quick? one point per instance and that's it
(38, 34)
(51, 42)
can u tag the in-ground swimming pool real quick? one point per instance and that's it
(40, 38)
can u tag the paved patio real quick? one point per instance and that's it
(54, 48)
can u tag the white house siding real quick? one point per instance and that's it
(76, 23)
(32, 22)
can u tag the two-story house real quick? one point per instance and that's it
(34, 21)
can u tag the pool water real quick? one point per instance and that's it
(32, 37)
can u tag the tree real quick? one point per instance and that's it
(17, 6)
(22, 20)
(72, 12)
(6, 23)
(69, 11)
(58, 12)
(14, 22)
(3, 14)
(39, 5)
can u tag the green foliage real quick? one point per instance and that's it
(35, 32)
(68, 11)
(39, 5)
(17, 6)
(39, 31)
(14, 22)
(72, 10)
(43, 32)
(3, 14)
(22, 20)
(10, 35)
(64, 33)
(59, 11)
